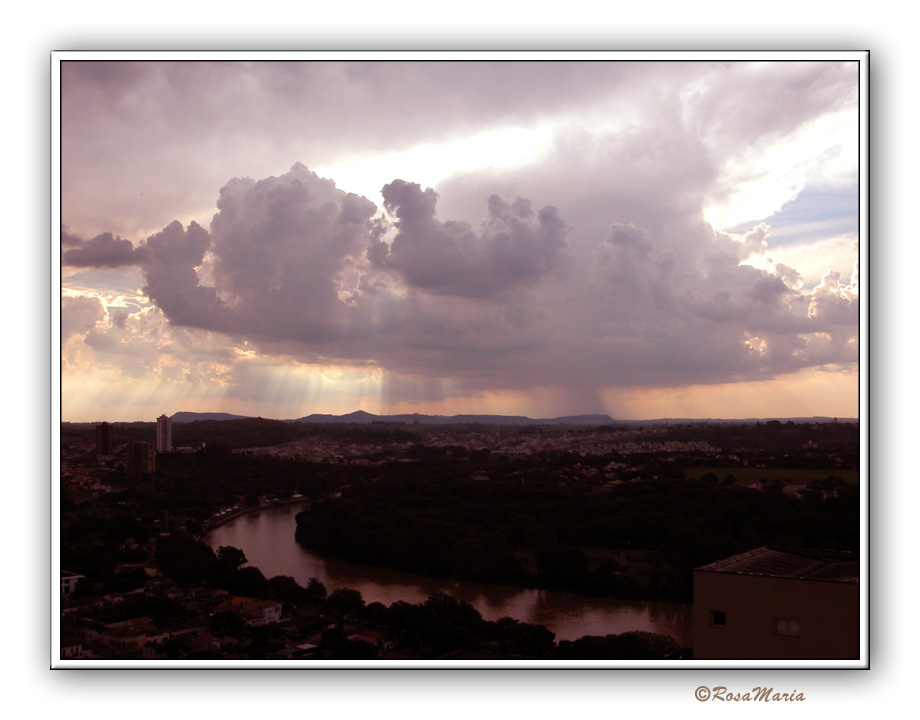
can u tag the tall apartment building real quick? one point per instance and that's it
(164, 434)
(141, 459)
(104, 442)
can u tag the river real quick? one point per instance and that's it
(267, 538)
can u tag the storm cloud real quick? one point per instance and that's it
(513, 246)
(301, 268)
(594, 264)
(105, 250)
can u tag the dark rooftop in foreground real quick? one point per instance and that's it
(795, 563)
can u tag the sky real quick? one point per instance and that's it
(645, 238)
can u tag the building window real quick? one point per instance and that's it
(717, 618)
(786, 626)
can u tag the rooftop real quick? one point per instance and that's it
(796, 563)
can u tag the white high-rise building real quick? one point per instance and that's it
(164, 434)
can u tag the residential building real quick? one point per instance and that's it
(104, 442)
(777, 603)
(69, 581)
(71, 647)
(164, 434)
(255, 612)
(141, 459)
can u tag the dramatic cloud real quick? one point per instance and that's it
(172, 282)
(282, 248)
(206, 121)
(514, 245)
(79, 315)
(833, 303)
(68, 239)
(729, 116)
(592, 265)
(285, 265)
(636, 273)
(105, 250)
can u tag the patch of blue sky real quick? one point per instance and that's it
(817, 213)
(111, 281)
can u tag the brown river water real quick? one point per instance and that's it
(267, 538)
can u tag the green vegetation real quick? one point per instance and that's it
(440, 627)
(630, 525)
(774, 474)
(434, 518)
(626, 646)
(234, 434)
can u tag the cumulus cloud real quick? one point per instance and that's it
(833, 302)
(636, 272)
(277, 263)
(105, 250)
(284, 253)
(303, 269)
(206, 121)
(789, 275)
(78, 315)
(172, 281)
(592, 268)
(787, 96)
(68, 239)
(131, 344)
(513, 246)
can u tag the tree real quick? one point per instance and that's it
(287, 590)
(563, 564)
(524, 638)
(248, 582)
(230, 557)
(345, 601)
(316, 591)
(376, 613)
(354, 650)
(636, 645)
(186, 560)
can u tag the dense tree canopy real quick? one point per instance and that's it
(428, 520)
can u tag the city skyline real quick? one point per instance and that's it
(642, 239)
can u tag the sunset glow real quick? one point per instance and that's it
(642, 239)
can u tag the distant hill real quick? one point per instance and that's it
(361, 417)
(738, 421)
(184, 417)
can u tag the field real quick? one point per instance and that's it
(742, 474)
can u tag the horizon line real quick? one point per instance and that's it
(491, 415)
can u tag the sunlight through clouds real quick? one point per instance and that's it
(540, 238)
(823, 153)
(428, 164)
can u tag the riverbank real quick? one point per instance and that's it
(518, 582)
(217, 521)
(268, 543)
